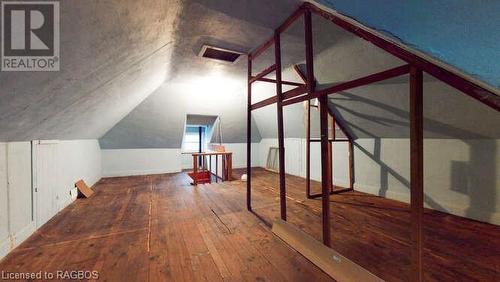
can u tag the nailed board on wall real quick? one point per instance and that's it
(84, 189)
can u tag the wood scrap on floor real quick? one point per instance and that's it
(83, 189)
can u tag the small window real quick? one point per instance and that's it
(195, 139)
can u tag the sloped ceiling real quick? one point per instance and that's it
(201, 86)
(460, 33)
(116, 53)
(379, 110)
(113, 55)
(375, 111)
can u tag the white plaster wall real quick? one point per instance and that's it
(16, 222)
(126, 162)
(294, 154)
(239, 156)
(19, 190)
(295, 158)
(4, 208)
(59, 165)
(64, 163)
(462, 177)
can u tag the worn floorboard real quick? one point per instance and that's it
(160, 228)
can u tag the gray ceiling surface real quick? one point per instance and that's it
(131, 73)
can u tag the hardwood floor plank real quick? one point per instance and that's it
(161, 228)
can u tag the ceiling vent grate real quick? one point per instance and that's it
(220, 54)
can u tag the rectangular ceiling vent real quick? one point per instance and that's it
(220, 54)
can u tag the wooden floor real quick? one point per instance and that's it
(155, 228)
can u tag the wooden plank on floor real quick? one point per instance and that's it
(330, 261)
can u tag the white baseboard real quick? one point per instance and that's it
(341, 183)
(5, 247)
(11, 242)
(492, 218)
(138, 172)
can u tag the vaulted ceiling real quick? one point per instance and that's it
(131, 73)
(113, 55)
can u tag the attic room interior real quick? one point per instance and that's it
(236, 140)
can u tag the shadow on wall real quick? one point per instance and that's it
(482, 173)
(476, 178)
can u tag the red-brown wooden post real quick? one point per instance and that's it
(325, 170)
(217, 169)
(351, 164)
(324, 128)
(249, 137)
(281, 135)
(331, 137)
(195, 170)
(223, 168)
(308, 149)
(229, 166)
(417, 171)
(310, 83)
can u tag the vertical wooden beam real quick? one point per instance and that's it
(417, 168)
(310, 83)
(224, 170)
(230, 167)
(308, 149)
(351, 164)
(217, 169)
(195, 170)
(330, 164)
(325, 170)
(333, 123)
(249, 137)
(331, 136)
(324, 128)
(281, 135)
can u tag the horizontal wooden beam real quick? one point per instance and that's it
(333, 192)
(342, 191)
(295, 92)
(263, 79)
(380, 76)
(263, 103)
(263, 73)
(319, 140)
(286, 95)
(475, 91)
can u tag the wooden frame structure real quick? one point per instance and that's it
(415, 67)
(332, 139)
